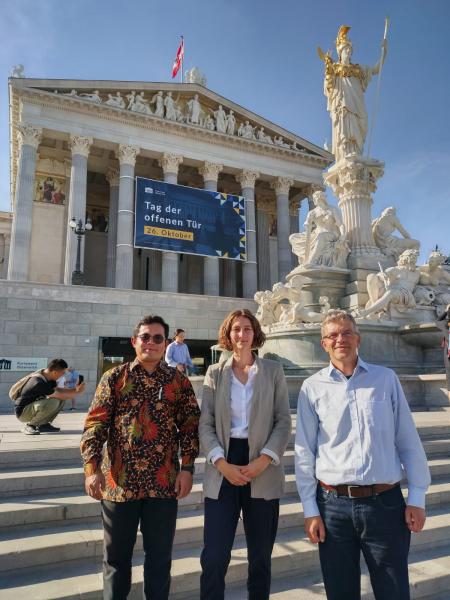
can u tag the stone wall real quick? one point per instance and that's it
(48, 321)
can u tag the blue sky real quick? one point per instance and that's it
(262, 54)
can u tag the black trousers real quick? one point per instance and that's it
(157, 519)
(221, 518)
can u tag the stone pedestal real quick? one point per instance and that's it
(321, 281)
(353, 180)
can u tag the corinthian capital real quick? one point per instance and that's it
(112, 175)
(170, 162)
(282, 185)
(127, 154)
(29, 135)
(210, 171)
(80, 145)
(247, 178)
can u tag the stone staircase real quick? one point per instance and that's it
(51, 535)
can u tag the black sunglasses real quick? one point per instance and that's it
(146, 337)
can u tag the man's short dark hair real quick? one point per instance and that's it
(57, 364)
(149, 320)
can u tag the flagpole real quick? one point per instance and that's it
(377, 95)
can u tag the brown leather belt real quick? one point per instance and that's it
(359, 491)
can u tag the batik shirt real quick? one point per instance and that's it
(147, 421)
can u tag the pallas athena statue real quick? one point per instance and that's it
(344, 87)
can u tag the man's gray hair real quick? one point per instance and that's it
(335, 315)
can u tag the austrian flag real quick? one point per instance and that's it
(179, 58)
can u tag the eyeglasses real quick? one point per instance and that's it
(146, 337)
(334, 336)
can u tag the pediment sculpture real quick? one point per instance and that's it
(190, 111)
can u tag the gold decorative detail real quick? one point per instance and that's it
(342, 39)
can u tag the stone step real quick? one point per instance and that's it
(429, 579)
(77, 539)
(292, 555)
(27, 511)
(18, 451)
(31, 480)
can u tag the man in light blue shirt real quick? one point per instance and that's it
(177, 353)
(355, 436)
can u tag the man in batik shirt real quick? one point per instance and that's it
(147, 414)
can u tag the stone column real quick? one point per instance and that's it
(77, 201)
(29, 138)
(125, 217)
(281, 185)
(170, 262)
(262, 220)
(112, 176)
(247, 180)
(353, 180)
(210, 172)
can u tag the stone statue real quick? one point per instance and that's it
(18, 71)
(141, 105)
(344, 87)
(382, 229)
(94, 97)
(434, 282)
(221, 119)
(195, 76)
(117, 101)
(170, 106)
(394, 286)
(131, 97)
(194, 110)
(274, 310)
(159, 101)
(262, 137)
(247, 131)
(278, 141)
(323, 243)
(231, 123)
(209, 123)
(72, 93)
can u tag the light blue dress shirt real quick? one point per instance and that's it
(356, 431)
(178, 354)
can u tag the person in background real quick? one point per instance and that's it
(41, 399)
(177, 353)
(71, 382)
(245, 426)
(443, 323)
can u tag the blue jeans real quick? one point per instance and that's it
(376, 526)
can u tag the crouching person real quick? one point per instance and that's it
(38, 400)
(147, 414)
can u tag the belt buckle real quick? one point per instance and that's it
(349, 490)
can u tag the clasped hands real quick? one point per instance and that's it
(243, 474)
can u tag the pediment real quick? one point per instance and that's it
(189, 104)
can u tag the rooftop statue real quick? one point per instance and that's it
(94, 97)
(323, 243)
(141, 105)
(394, 286)
(194, 110)
(117, 101)
(195, 76)
(159, 101)
(382, 229)
(344, 87)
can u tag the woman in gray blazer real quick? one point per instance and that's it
(244, 430)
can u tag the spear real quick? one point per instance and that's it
(377, 95)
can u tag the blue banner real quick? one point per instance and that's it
(188, 220)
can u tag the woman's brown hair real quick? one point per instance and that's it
(224, 332)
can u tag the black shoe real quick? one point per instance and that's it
(30, 429)
(48, 428)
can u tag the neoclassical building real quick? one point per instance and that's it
(76, 147)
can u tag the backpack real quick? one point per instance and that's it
(16, 389)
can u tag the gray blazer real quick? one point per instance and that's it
(269, 424)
